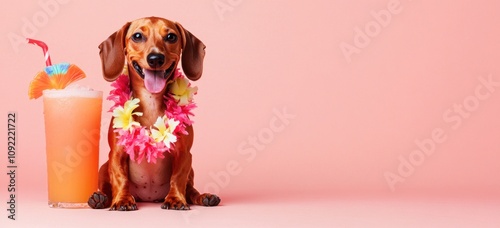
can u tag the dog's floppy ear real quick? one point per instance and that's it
(193, 52)
(112, 54)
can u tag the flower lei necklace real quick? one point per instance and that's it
(140, 141)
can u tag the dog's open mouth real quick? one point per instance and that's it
(154, 80)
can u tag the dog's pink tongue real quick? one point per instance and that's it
(154, 81)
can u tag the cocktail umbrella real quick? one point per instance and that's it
(56, 76)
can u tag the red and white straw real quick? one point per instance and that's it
(44, 48)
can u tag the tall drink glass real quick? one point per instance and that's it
(72, 132)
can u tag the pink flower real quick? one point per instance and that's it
(178, 73)
(144, 143)
(179, 113)
(155, 151)
(138, 144)
(121, 92)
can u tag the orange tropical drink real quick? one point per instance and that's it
(72, 131)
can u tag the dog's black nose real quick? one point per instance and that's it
(156, 60)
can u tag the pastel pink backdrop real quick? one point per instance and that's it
(353, 119)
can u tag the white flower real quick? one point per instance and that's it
(182, 91)
(164, 131)
(124, 115)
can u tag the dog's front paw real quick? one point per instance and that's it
(175, 203)
(209, 200)
(98, 200)
(124, 203)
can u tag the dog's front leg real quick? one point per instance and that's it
(118, 173)
(176, 198)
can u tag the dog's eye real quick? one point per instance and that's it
(137, 37)
(171, 38)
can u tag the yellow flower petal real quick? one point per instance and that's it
(162, 133)
(169, 139)
(159, 135)
(172, 124)
(123, 116)
(182, 92)
(160, 124)
(179, 87)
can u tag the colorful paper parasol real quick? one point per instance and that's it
(56, 76)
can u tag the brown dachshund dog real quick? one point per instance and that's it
(150, 49)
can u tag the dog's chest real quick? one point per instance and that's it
(150, 181)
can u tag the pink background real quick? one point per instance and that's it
(354, 117)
